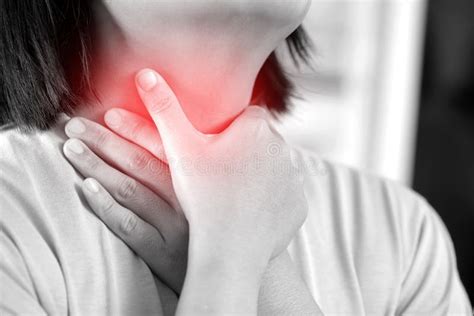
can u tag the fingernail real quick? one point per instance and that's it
(147, 80)
(75, 146)
(75, 126)
(113, 118)
(91, 185)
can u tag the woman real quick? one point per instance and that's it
(237, 197)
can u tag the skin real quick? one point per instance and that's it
(216, 280)
(134, 175)
(209, 51)
(281, 291)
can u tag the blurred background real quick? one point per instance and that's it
(391, 92)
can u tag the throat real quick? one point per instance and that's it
(212, 81)
(209, 52)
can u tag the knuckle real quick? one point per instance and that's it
(106, 206)
(156, 166)
(143, 160)
(91, 161)
(152, 243)
(128, 224)
(127, 188)
(135, 130)
(101, 140)
(148, 242)
(160, 103)
(139, 160)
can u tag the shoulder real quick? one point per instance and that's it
(375, 220)
(366, 208)
(32, 165)
(360, 191)
(14, 142)
(20, 150)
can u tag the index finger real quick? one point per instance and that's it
(175, 129)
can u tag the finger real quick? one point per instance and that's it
(124, 189)
(140, 236)
(136, 129)
(177, 133)
(126, 156)
(120, 220)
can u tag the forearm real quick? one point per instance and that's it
(220, 283)
(283, 292)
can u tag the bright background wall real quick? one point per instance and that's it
(360, 101)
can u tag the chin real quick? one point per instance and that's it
(291, 12)
(279, 14)
(284, 15)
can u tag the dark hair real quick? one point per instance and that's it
(40, 39)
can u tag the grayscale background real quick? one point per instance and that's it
(391, 92)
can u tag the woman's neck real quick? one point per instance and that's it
(211, 66)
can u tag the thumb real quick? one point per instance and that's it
(174, 127)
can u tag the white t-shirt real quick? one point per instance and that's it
(368, 246)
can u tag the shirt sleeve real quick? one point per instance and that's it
(17, 293)
(432, 285)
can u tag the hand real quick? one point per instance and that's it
(133, 181)
(282, 290)
(239, 218)
(143, 133)
(251, 211)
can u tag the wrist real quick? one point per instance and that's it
(228, 252)
(220, 280)
(283, 291)
(228, 258)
